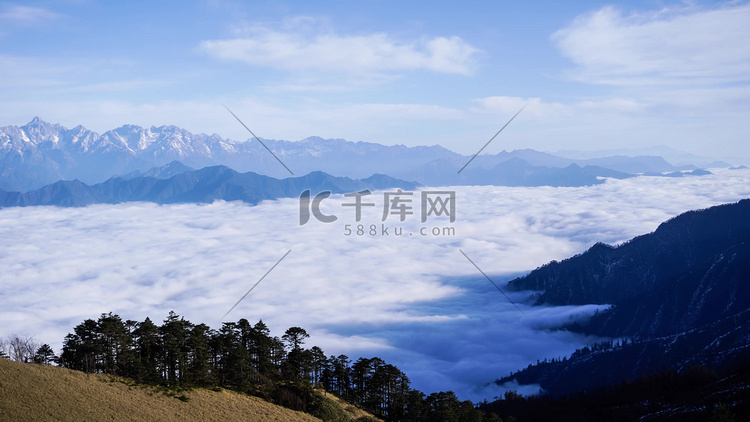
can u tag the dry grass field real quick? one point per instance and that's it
(31, 392)
(353, 411)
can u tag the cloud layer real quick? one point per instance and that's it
(413, 300)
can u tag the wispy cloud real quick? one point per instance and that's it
(370, 54)
(673, 46)
(25, 72)
(546, 110)
(26, 15)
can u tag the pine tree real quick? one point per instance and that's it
(295, 337)
(44, 355)
(199, 369)
(319, 362)
(278, 353)
(114, 342)
(148, 352)
(261, 352)
(342, 374)
(87, 352)
(174, 334)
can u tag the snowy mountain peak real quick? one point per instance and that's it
(38, 131)
(39, 123)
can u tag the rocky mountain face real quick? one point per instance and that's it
(39, 153)
(680, 294)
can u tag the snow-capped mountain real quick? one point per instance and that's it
(40, 153)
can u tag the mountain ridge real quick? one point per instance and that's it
(680, 297)
(39, 153)
(196, 186)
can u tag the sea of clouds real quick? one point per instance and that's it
(412, 300)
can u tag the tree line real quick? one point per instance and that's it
(26, 349)
(245, 357)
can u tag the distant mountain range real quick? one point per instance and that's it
(41, 153)
(680, 294)
(194, 186)
(676, 157)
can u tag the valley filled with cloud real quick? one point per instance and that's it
(413, 300)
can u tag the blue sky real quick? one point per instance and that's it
(596, 75)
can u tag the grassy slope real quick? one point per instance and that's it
(353, 411)
(45, 393)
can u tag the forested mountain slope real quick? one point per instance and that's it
(680, 297)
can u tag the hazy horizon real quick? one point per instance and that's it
(670, 154)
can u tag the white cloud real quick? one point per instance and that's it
(415, 301)
(670, 46)
(554, 110)
(371, 54)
